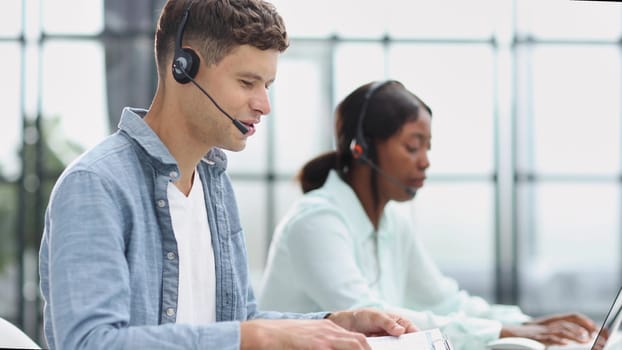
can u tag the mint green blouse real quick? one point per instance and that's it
(323, 257)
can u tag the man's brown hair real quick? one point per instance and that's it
(215, 27)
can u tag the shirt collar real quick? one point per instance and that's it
(133, 124)
(346, 199)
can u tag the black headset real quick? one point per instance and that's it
(186, 65)
(358, 146)
(186, 62)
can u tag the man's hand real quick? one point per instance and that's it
(556, 329)
(299, 334)
(342, 330)
(372, 322)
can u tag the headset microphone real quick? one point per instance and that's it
(410, 190)
(186, 66)
(238, 124)
(358, 146)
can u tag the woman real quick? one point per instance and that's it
(344, 245)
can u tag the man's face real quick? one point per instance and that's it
(239, 84)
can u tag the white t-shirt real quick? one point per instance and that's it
(197, 278)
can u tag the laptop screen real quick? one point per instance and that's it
(610, 324)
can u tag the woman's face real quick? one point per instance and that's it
(404, 159)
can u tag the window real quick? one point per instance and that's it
(526, 149)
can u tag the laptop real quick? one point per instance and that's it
(608, 336)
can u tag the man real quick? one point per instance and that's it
(142, 245)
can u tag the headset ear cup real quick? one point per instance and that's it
(185, 60)
(358, 150)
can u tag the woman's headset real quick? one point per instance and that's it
(358, 146)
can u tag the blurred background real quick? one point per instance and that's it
(523, 199)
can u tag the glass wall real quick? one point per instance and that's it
(523, 199)
(568, 161)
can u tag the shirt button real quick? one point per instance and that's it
(173, 175)
(170, 255)
(161, 203)
(170, 311)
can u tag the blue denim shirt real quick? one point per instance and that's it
(108, 258)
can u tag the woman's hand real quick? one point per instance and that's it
(554, 330)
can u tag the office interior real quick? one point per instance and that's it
(522, 204)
